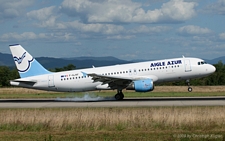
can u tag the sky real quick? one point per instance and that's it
(125, 29)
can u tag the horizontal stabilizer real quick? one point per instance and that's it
(20, 81)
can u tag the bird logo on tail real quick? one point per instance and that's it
(20, 59)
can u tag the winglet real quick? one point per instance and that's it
(84, 74)
(27, 65)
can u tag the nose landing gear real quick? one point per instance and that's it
(189, 87)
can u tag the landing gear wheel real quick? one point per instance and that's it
(119, 96)
(188, 83)
(122, 96)
(190, 89)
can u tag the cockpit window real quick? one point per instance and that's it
(201, 63)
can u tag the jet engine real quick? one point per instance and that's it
(144, 85)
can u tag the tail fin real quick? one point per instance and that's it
(27, 65)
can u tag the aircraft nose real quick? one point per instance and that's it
(213, 69)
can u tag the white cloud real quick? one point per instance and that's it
(193, 30)
(41, 14)
(172, 11)
(18, 37)
(127, 11)
(100, 11)
(13, 36)
(150, 30)
(13, 8)
(46, 17)
(95, 28)
(217, 7)
(222, 36)
(120, 37)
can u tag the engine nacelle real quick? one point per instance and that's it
(144, 85)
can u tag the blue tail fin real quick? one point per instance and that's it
(27, 65)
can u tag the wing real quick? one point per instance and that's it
(117, 82)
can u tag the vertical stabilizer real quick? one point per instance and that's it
(27, 65)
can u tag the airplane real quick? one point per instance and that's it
(140, 77)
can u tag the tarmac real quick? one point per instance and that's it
(127, 102)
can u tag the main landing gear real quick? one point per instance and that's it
(189, 87)
(119, 95)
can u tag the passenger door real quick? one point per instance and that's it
(187, 64)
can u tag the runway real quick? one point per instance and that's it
(128, 102)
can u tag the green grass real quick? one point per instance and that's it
(112, 136)
(108, 124)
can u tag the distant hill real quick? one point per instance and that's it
(6, 59)
(81, 62)
(216, 60)
(106, 58)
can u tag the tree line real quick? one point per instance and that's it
(217, 78)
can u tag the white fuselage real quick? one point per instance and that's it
(159, 71)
